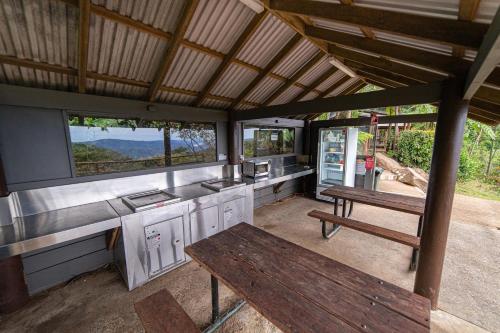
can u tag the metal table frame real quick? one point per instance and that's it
(217, 318)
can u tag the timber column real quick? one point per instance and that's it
(448, 139)
(233, 138)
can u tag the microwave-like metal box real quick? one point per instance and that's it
(256, 169)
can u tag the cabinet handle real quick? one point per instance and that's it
(213, 227)
(177, 240)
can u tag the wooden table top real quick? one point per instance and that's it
(301, 291)
(399, 202)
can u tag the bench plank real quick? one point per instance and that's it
(371, 229)
(160, 313)
(400, 300)
(398, 202)
(353, 308)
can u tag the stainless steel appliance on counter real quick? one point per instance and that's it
(254, 168)
(149, 199)
(222, 184)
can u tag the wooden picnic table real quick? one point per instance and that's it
(393, 201)
(301, 291)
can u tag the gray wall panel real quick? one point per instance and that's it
(33, 144)
(266, 196)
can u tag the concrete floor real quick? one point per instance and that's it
(469, 301)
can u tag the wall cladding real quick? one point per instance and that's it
(266, 196)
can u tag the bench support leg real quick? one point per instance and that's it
(416, 252)
(329, 234)
(217, 319)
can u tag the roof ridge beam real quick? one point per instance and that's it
(171, 51)
(451, 32)
(231, 55)
(426, 93)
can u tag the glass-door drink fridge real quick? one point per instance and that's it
(344, 158)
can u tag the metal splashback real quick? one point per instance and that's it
(36, 201)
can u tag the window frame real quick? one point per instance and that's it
(270, 126)
(119, 174)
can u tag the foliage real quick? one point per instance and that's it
(415, 148)
(364, 136)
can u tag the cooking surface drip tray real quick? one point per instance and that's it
(222, 184)
(148, 200)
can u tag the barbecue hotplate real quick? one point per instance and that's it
(222, 184)
(149, 199)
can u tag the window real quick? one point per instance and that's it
(102, 145)
(265, 141)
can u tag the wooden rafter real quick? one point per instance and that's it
(170, 53)
(83, 43)
(289, 47)
(296, 76)
(334, 86)
(446, 31)
(390, 75)
(322, 78)
(487, 58)
(467, 10)
(231, 55)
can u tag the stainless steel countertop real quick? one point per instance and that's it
(33, 232)
(37, 231)
(279, 175)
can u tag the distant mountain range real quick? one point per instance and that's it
(137, 149)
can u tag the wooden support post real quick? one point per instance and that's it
(443, 174)
(233, 140)
(13, 289)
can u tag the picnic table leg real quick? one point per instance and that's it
(416, 252)
(344, 207)
(328, 234)
(351, 206)
(215, 297)
(217, 319)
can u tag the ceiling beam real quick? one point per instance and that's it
(334, 86)
(316, 83)
(452, 32)
(231, 55)
(10, 60)
(170, 53)
(488, 94)
(287, 49)
(410, 54)
(467, 10)
(295, 77)
(83, 43)
(390, 75)
(487, 58)
(426, 93)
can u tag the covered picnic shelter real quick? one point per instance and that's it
(239, 62)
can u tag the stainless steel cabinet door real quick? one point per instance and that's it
(204, 223)
(233, 212)
(164, 244)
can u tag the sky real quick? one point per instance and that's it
(83, 134)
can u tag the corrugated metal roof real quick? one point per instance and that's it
(114, 89)
(296, 59)
(309, 96)
(342, 27)
(263, 90)
(118, 50)
(343, 87)
(412, 42)
(435, 8)
(487, 10)
(266, 42)
(218, 24)
(163, 14)
(41, 30)
(287, 95)
(311, 75)
(215, 104)
(36, 78)
(233, 81)
(190, 70)
(244, 107)
(174, 98)
(331, 80)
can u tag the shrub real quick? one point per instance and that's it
(468, 167)
(415, 148)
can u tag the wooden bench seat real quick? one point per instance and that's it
(392, 235)
(160, 312)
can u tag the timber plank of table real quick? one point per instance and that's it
(301, 291)
(399, 202)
